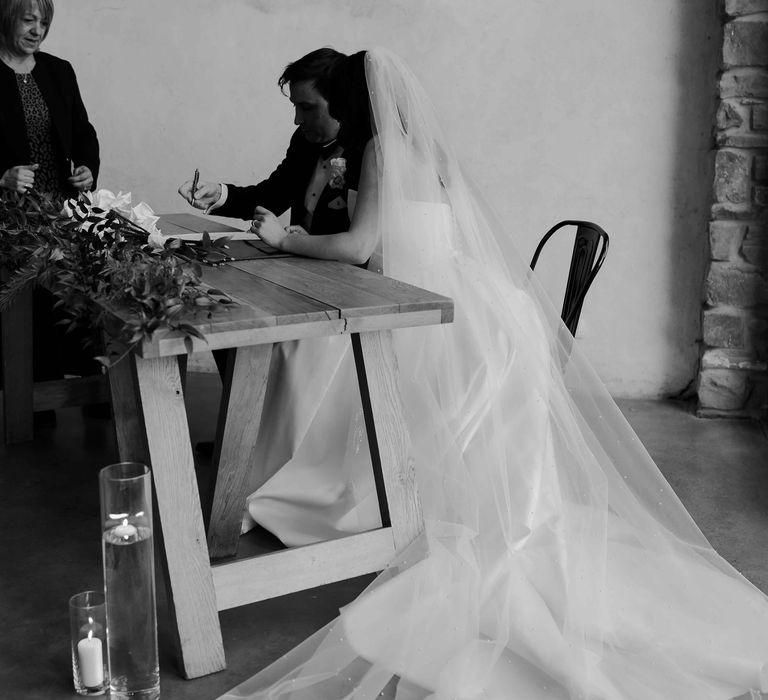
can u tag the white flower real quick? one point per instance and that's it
(105, 199)
(92, 209)
(143, 215)
(156, 240)
(338, 168)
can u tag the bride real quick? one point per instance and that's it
(556, 561)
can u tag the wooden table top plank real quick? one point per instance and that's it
(260, 308)
(334, 292)
(409, 298)
(236, 326)
(240, 321)
(354, 291)
(265, 298)
(258, 304)
(362, 278)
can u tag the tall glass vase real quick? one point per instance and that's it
(129, 581)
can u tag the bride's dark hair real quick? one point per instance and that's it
(348, 101)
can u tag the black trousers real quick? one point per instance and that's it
(56, 352)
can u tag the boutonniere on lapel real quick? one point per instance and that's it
(338, 168)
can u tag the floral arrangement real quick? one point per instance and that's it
(338, 170)
(97, 253)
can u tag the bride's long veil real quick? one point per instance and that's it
(557, 562)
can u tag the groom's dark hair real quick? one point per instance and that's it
(349, 103)
(316, 67)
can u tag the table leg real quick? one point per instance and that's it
(245, 383)
(126, 411)
(151, 424)
(387, 435)
(16, 341)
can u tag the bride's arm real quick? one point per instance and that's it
(353, 246)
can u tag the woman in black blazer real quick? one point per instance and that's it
(46, 139)
(46, 143)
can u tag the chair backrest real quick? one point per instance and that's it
(589, 249)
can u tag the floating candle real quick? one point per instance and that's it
(125, 530)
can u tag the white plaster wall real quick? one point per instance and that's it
(595, 109)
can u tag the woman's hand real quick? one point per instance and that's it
(267, 227)
(206, 194)
(20, 178)
(81, 178)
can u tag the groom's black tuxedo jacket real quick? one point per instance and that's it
(74, 138)
(287, 186)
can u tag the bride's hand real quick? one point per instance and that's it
(267, 227)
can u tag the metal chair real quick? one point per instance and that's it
(589, 249)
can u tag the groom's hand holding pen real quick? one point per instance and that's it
(200, 195)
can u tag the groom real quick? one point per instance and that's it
(305, 181)
(317, 179)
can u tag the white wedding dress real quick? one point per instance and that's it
(316, 448)
(556, 561)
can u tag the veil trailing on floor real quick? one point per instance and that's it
(556, 563)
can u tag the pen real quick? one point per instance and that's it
(194, 182)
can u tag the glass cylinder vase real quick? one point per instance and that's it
(88, 634)
(129, 581)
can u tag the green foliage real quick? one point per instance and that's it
(104, 270)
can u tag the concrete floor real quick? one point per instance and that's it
(50, 543)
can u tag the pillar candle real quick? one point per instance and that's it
(91, 661)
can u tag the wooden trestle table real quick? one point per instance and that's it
(279, 298)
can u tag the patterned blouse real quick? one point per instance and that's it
(39, 136)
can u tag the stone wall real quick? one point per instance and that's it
(733, 378)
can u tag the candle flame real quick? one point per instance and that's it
(90, 634)
(125, 522)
